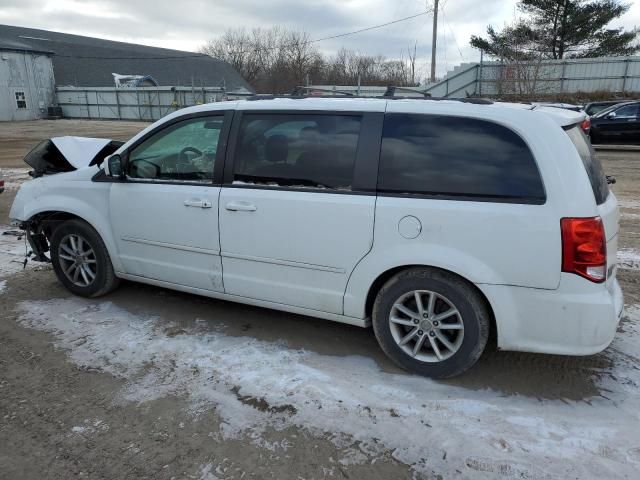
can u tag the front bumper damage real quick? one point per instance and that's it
(37, 239)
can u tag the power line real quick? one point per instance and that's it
(307, 42)
(370, 28)
(444, 17)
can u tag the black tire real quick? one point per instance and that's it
(473, 314)
(105, 279)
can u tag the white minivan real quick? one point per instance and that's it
(439, 222)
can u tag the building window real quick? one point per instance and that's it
(21, 100)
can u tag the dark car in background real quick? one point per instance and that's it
(593, 108)
(617, 124)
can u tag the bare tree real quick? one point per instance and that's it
(411, 61)
(276, 60)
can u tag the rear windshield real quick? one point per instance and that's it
(591, 163)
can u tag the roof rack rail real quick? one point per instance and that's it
(301, 89)
(471, 100)
(391, 91)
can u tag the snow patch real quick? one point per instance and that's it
(630, 216)
(14, 177)
(3, 286)
(90, 427)
(628, 259)
(13, 247)
(632, 204)
(12, 251)
(434, 427)
(205, 472)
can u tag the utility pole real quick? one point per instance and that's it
(434, 40)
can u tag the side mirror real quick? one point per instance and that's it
(115, 167)
(610, 116)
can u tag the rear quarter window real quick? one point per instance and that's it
(592, 165)
(457, 157)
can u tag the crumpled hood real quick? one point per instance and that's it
(65, 154)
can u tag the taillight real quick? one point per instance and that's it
(584, 248)
(586, 124)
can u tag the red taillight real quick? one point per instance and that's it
(586, 124)
(584, 248)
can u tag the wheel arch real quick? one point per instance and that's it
(385, 276)
(46, 220)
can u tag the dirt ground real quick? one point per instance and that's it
(17, 138)
(150, 383)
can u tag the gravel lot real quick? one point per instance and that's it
(150, 383)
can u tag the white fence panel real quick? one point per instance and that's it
(610, 74)
(144, 103)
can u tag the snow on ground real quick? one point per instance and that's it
(630, 216)
(12, 251)
(432, 426)
(626, 203)
(628, 258)
(90, 426)
(14, 177)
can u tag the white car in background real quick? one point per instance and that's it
(440, 223)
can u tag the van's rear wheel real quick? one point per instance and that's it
(431, 322)
(81, 260)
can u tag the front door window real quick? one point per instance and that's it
(183, 152)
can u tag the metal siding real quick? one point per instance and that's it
(148, 103)
(613, 74)
(30, 73)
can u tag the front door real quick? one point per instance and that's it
(165, 215)
(623, 125)
(293, 224)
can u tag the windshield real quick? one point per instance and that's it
(591, 164)
(599, 107)
(604, 111)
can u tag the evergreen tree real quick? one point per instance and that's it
(561, 29)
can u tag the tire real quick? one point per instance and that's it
(98, 278)
(460, 315)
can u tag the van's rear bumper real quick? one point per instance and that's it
(579, 318)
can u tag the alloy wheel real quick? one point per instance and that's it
(77, 260)
(426, 326)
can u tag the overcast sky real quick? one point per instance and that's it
(187, 24)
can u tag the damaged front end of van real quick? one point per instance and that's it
(53, 161)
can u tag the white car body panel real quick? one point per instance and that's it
(319, 254)
(161, 235)
(88, 201)
(579, 318)
(296, 248)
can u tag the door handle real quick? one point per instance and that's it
(197, 203)
(240, 207)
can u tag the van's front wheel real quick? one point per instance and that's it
(81, 260)
(431, 322)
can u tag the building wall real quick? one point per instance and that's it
(26, 85)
